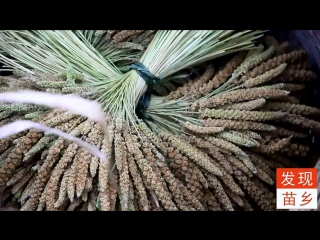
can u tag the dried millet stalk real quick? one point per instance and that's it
(289, 99)
(208, 74)
(19, 174)
(152, 137)
(212, 202)
(221, 76)
(71, 185)
(151, 154)
(295, 149)
(234, 197)
(254, 191)
(73, 205)
(268, 195)
(82, 170)
(5, 114)
(259, 162)
(241, 115)
(137, 180)
(265, 77)
(187, 169)
(273, 146)
(43, 175)
(174, 187)
(240, 96)
(104, 166)
(254, 52)
(213, 151)
(93, 200)
(292, 87)
(6, 142)
(122, 165)
(61, 118)
(287, 133)
(247, 106)
(147, 171)
(179, 92)
(33, 115)
(105, 202)
(202, 130)
(227, 179)
(297, 75)
(273, 63)
(194, 154)
(251, 134)
(5, 154)
(254, 61)
(237, 125)
(238, 164)
(300, 65)
(300, 121)
(15, 157)
(292, 108)
(22, 182)
(63, 189)
(225, 145)
(238, 138)
(280, 159)
(124, 34)
(219, 192)
(41, 144)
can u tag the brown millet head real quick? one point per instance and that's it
(44, 173)
(247, 106)
(219, 192)
(137, 180)
(124, 34)
(14, 159)
(273, 146)
(148, 172)
(298, 109)
(221, 77)
(237, 125)
(240, 96)
(241, 115)
(197, 156)
(274, 62)
(265, 77)
(297, 76)
(213, 151)
(181, 164)
(202, 130)
(300, 121)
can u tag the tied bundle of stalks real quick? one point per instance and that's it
(168, 159)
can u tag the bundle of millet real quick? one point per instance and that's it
(225, 163)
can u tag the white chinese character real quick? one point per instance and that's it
(288, 178)
(305, 178)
